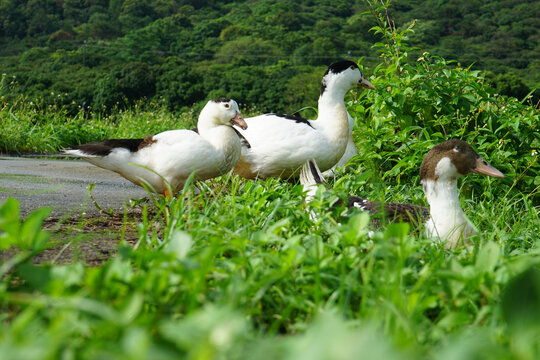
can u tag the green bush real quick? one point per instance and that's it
(417, 105)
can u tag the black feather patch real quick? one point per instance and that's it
(221, 99)
(340, 66)
(314, 171)
(104, 148)
(296, 118)
(336, 68)
(243, 140)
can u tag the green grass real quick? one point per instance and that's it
(242, 271)
(33, 127)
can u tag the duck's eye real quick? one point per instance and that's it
(457, 148)
(352, 67)
(227, 106)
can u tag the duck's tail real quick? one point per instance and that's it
(311, 178)
(76, 152)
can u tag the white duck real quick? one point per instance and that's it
(171, 156)
(280, 144)
(440, 169)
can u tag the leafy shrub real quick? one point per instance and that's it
(417, 105)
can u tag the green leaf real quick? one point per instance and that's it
(9, 223)
(455, 319)
(37, 276)
(521, 299)
(359, 221)
(456, 285)
(399, 230)
(205, 331)
(135, 343)
(132, 308)
(31, 235)
(179, 244)
(27, 234)
(9, 212)
(488, 257)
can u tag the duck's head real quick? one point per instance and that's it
(346, 74)
(453, 159)
(222, 111)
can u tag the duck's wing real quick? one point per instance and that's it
(272, 127)
(392, 212)
(105, 147)
(296, 118)
(279, 146)
(413, 214)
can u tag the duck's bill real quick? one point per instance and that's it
(482, 167)
(238, 120)
(366, 84)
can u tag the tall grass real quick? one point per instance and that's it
(30, 126)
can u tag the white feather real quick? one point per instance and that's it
(350, 151)
(447, 220)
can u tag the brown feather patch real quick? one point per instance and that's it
(243, 169)
(415, 215)
(146, 141)
(462, 155)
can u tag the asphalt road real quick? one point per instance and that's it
(62, 184)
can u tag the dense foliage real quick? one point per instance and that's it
(109, 53)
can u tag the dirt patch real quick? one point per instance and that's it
(90, 240)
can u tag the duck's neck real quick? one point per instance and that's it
(448, 221)
(220, 137)
(332, 98)
(333, 119)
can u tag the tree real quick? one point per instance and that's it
(179, 85)
(508, 84)
(124, 85)
(247, 51)
(12, 19)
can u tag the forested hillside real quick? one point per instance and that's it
(268, 54)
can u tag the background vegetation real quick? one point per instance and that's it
(109, 53)
(243, 271)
